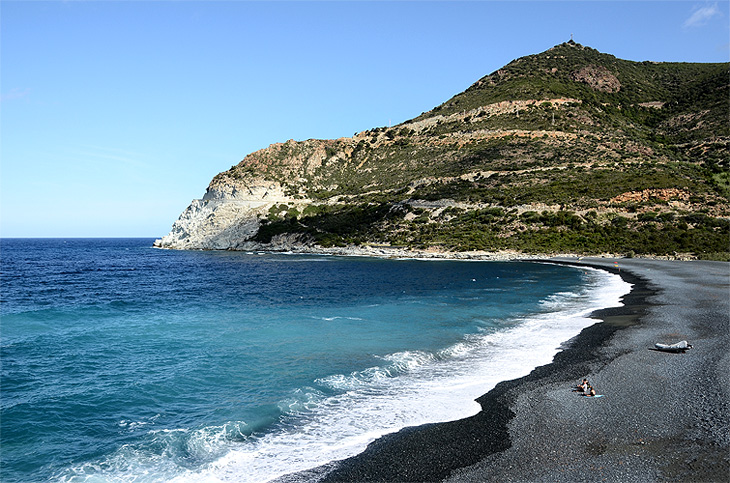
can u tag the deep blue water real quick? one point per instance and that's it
(121, 362)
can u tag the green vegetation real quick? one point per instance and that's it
(327, 225)
(533, 232)
(503, 145)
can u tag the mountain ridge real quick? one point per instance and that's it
(540, 156)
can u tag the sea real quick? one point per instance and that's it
(121, 362)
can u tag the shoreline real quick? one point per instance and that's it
(664, 417)
(437, 254)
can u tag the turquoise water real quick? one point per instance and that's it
(121, 362)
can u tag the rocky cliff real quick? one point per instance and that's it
(231, 212)
(227, 217)
(569, 150)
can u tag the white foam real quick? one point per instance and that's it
(428, 388)
(337, 317)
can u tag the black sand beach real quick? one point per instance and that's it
(663, 417)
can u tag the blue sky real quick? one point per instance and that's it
(115, 115)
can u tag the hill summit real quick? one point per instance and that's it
(570, 150)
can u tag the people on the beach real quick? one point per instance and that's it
(586, 388)
(583, 386)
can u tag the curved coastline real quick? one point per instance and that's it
(665, 416)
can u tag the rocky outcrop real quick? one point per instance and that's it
(664, 194)
(598, 77)
(230, 212)
(226, 217)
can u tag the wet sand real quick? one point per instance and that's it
(663, 416)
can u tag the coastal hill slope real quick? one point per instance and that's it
(570, 150)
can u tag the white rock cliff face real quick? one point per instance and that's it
(227, 217)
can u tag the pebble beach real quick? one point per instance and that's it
(663, 416)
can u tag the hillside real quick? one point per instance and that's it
(569, 150)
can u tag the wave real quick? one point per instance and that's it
(340, 414)
(164, 455)
(337, 317)
(399, 363)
